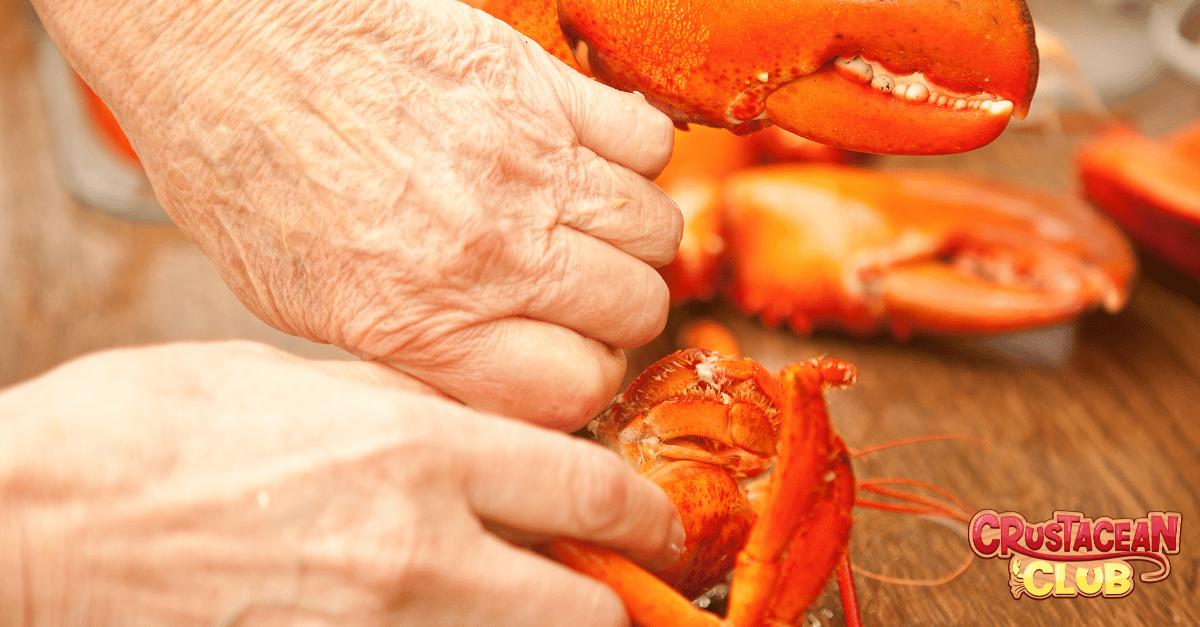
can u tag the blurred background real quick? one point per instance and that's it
(1097, 416)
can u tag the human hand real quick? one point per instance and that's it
(222, 484)
(411, 181)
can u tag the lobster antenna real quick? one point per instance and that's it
(917, 582)
(925, 506)
(917, 440)
(877, 486)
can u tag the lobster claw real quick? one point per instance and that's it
(919, 251)
(936, 296)
(899, 77)
(911, 77)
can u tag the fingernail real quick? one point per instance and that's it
(678, 538)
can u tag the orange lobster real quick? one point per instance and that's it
(762, 482)
(900, 77)
(703, 158)
(708, 427)
(1152, 188)
(827, 245)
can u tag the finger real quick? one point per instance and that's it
(624, 209)
(494, 583)
(528, 369)
(600, 292)
(619, 126)
(551, 484)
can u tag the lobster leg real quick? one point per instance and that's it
(817, 547)
(845, 577)
(806, 445)
(649, 601)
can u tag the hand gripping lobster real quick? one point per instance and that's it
(898, 77)
(756, 471)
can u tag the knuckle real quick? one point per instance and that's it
(402, 537)
(659, 133)
(667, 226)
(649, 322)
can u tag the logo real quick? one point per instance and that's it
(1071, 555)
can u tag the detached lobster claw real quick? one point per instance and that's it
(898, 77)
(918, 251)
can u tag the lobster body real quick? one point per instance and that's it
(756, 471)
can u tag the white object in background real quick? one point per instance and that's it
(88, 167)
(1165, 28)
(1108, 42)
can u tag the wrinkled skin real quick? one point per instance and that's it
(411, 181)
(233, 484)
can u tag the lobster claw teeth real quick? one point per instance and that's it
(828, 109)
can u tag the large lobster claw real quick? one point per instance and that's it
(918, 251)
(896, 77)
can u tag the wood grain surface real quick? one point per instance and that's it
(1101, 417)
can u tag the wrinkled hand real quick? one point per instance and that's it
(232, 484)
(412, 181)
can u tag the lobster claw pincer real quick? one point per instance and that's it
(917, 251)
(899, 77)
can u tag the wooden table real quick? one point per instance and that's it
(1110, 427)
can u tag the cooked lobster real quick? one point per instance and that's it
(899, 77)
(821, 245)
(762, 482)
(1151, 187)
(754, 467)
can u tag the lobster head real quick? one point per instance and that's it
(892, 77)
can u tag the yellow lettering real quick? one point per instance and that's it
(1036, 591)
(1062, 587)
(1116, 579)
(1092, 588)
